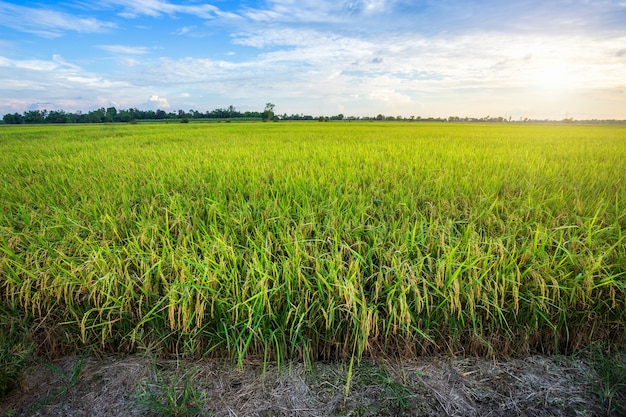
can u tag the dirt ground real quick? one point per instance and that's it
(434, 386)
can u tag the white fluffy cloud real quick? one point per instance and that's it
(157, 102)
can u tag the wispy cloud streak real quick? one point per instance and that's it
(124, 50)
(156, 8)
(48, 23)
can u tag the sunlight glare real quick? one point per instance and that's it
(555, 76)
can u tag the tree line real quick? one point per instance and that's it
(112, 114)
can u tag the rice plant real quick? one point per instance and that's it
(314, 241)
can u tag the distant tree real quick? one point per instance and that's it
(124, 116)
(268, 113)
(58, 117)
(76, 117)
(110, 114)
(34, 116)
(14, 118)
(96, 116)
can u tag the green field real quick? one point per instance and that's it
(312, 240)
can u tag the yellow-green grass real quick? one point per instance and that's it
(314, 240)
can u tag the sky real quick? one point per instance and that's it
(532, 59)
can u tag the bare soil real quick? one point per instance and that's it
(434, 386)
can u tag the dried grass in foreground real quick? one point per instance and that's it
(139, 386)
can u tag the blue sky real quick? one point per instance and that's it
(528, 58)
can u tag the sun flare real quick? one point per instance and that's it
(555, 76)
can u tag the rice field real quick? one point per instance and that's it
(314, 241)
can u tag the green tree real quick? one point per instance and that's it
(58, 116)
(268, 113)
(34, 116)
(124, 116)
(110, 114)
(96, 116)
(14, 118)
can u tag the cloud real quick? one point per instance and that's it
(403, 73)
(48, 23)
(379, 17)
(59, 83)
(125, 55)
(158, 102)
(183, 31)
(326, 12)
(124, 50)
(480, 59)
(367, 6)
(56, 63)
(155, 8)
